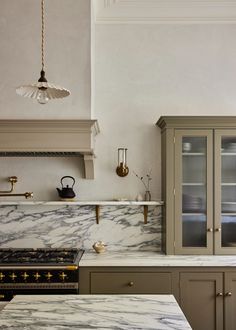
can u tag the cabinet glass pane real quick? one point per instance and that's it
(194, 170)
(228, 191)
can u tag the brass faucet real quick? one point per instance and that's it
(6, 193)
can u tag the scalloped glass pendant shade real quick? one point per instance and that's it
(42, 91)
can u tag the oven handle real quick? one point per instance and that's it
(69, 267)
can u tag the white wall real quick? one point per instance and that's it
(67, 56)
(140, 72)
(145, 71)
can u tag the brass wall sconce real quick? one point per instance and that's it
(122, 168)
(6, 193)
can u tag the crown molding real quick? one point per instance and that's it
(164, 11)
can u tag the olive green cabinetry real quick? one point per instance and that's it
(201, 299)
(208, 299)
(199, 184)
(128, 280)
(230, 300)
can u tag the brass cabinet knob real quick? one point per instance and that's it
(219, 294)
(131, 283)
(2, 296)
(228, 294)
(210, 230)
(218, 230)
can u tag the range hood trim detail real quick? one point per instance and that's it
(32, 138)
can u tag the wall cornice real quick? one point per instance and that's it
(165, 11)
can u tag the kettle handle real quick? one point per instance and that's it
(67, 176)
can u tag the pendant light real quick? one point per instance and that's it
(42, 90)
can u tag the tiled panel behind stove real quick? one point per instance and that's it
(121, 227)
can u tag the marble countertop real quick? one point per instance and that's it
(153, 259)
(120, 312)
(83, 203)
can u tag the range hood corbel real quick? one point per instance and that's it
(50, 138)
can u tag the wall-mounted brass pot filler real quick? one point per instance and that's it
(6, 193)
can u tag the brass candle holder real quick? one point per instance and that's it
(122, 168)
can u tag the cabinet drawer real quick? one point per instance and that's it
(114, 282)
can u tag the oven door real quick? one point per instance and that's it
(7, 295)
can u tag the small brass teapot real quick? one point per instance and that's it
(67, 192)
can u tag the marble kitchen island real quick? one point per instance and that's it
(40, 312)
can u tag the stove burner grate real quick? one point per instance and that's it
(38, 256)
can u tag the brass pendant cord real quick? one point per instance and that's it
(42, 33)
(35, 91)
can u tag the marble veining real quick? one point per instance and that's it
(154, 259)
(120, 312)
(121, 227)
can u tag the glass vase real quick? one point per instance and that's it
(147, 196)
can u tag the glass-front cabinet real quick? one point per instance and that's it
(199, 184)
(225, 190)
(193, 185)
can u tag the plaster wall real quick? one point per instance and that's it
(67, 56)
(140, 72)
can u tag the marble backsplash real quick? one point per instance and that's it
(120, 227)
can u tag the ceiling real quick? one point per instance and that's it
(164, 11)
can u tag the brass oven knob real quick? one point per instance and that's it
(13, 276)
(131, 283)
(1, 276)
(37, 276)
(25, 275)
(63, 276)
(49, 275)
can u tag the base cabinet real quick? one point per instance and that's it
(208, 300)
(2, 304)
(230, 301)
(201, 300)
(128, 280)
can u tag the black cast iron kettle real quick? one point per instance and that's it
(66, 192)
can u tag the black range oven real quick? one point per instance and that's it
(39, 271)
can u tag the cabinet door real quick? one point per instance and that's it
(201, 299)
(225, 191)
(193, 192)
(230, 301)
(130, 283)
